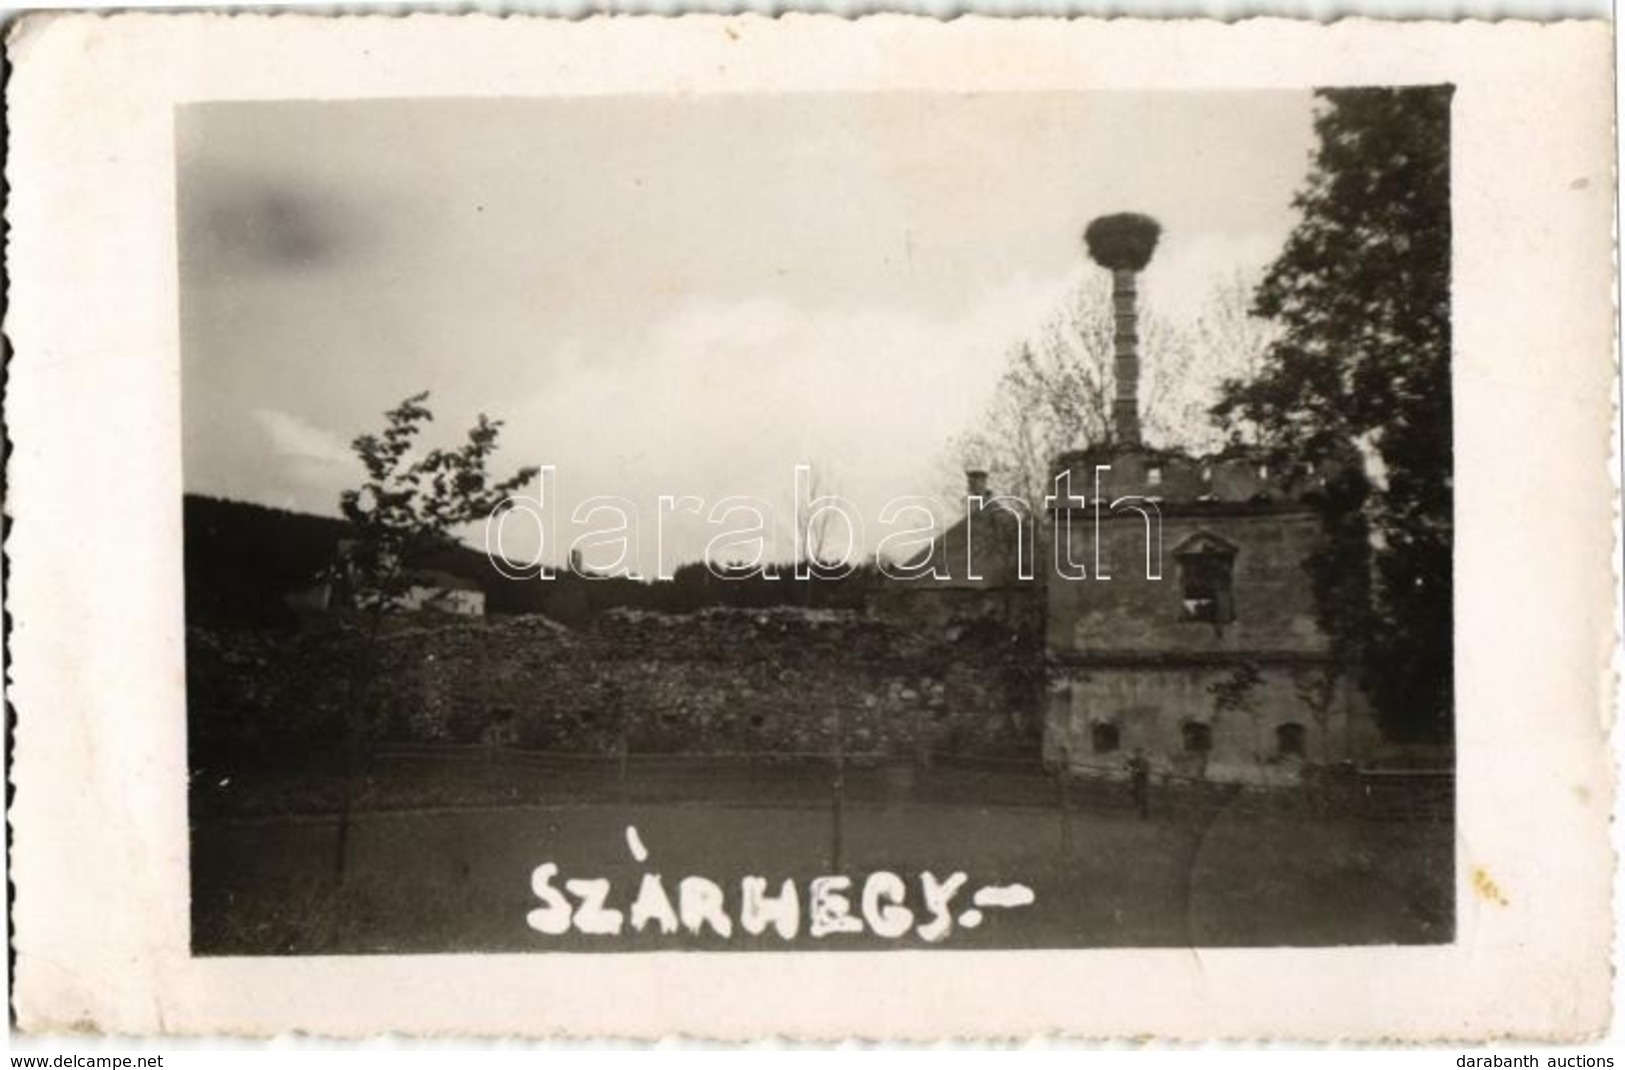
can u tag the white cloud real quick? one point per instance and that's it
(727, 397)
(298, 439)
(667, 316)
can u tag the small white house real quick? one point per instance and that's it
(444, 593)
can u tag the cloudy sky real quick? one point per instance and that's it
(676, 295)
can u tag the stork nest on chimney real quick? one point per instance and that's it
(1122, 241)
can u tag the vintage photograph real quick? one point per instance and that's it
(810, 531)
(818, 521)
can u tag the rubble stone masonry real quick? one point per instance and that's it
(774, 681)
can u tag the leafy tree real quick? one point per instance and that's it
(407, 510)
(411, 504)
(1360, 377)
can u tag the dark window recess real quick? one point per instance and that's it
(1198, 737)
(1104, 738)
(757, 720)
(1205, 586)
(1289, 740)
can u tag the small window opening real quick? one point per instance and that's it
(1104, 737)
(1153, 475)
(1198, 737)
(1289, 740)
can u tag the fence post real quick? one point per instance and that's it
(623, 749)
(341, 834)
(1063, 773)
(838, 790)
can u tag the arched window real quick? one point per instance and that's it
(1289, 740)
(1198, 737)
(1105, 737)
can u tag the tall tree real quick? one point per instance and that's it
(1361, 374)
(411, 504)
(407, 510)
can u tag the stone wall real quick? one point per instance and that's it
(772, 681)
(943, 610)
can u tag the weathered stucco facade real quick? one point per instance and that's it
(1204, 651)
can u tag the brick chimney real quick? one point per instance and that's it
(975, 483)
(1123, 245)
(1126, 354)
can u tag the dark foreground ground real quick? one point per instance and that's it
(439, 858)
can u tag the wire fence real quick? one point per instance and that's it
(818, 777)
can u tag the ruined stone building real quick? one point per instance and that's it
(1191, 633)
(1208, 656)
(1177, 618)
(1177, 612)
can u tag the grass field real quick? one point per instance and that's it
(441, 879)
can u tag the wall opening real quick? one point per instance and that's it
(1206, 590)
(1290, 739)
(1104, 737)
(1198, 737)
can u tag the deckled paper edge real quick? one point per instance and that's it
(93, 409)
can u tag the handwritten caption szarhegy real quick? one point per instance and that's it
(834, 904)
